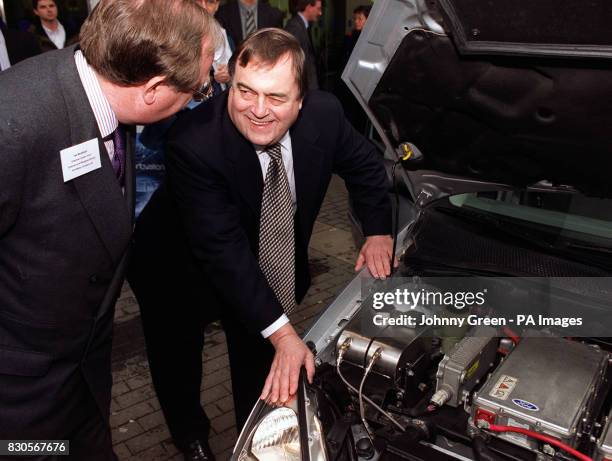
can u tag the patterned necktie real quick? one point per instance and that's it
(276, 239)
(118, 160)
(249, 23)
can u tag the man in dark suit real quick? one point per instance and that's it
(243, 17)
(19, 44)
(66, 209)
(307, 12)
(51, 33)
(240, 251)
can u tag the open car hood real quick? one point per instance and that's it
(491, 94)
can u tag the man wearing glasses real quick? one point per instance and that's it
(66, 208)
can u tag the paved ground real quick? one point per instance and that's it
(138, 427)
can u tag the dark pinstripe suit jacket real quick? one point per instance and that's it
(62, 251)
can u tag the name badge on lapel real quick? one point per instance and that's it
(80, 159)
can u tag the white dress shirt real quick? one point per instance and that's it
(264, 161)
(103, 113)
(223, 53)
(5, 63)
(287, 154)
(57, 36)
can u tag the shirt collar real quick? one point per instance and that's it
(306, 23)
(105, 117)
(5, 62)
(285, 143)
(58, 30)
(244, 8)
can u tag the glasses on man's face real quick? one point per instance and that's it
(203, 93)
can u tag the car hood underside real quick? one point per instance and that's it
(498, 117)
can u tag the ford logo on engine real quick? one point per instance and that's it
(525, 404)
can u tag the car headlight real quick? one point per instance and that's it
(277, 437)
(291, 433)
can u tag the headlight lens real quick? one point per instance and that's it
(276, 438)
(277, 434)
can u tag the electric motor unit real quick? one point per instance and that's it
(546, 385)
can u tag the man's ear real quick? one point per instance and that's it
(151, 88)
(300, 105)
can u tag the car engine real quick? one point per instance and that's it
(474, 394)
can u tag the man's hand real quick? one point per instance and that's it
(222, 74)
(376, 254)
(291, 354)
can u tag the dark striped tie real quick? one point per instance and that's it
(276, 234)
(118, 160)
(249, 24)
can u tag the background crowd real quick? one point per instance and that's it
(333, 34)
(68, 196)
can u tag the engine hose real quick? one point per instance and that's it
(482, 451)
(512, 335)
(421, 408)
(350, 446)
(544, 438)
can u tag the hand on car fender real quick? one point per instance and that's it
(291, 354)
(376, 255)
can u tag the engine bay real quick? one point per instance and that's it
(481, 393)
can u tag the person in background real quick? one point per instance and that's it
(360, 16)
(307, 12)
(67, 204)
(243, 17)
(51, 33)
(223, 53)
(353, 110)
(15, 46)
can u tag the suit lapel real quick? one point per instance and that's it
(236, 21)
(305, 38)
(305, 30)
(262, 18)
(98, 190)
(307, 159)
(246, 164)
(308, 32)
(130, 176)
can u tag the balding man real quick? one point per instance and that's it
(66, 207)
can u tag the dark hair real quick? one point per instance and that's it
(268, 46)
(129, 42)
(35, 4)
(300, 5)
(363, 9)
